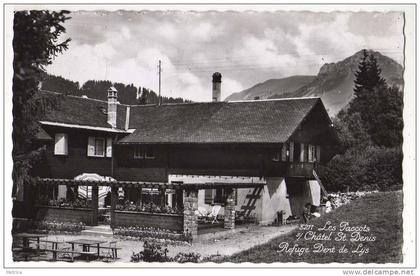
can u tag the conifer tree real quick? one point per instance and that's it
(362, 74)
(35, 43)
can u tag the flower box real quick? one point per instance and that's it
(65, 214)
(173, 222)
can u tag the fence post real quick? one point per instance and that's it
(95, 193)
(114, 192)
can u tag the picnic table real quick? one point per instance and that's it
(26, 237)
(26, 248)
(86, 245)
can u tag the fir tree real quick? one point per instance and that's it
(362, 74)
(35, 43)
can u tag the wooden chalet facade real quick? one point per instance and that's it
(277, 142)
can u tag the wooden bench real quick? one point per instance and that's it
(114, 251)
(88, 254)
(27, 252)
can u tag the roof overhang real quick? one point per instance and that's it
(106, 129)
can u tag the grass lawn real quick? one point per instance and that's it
(380, 212)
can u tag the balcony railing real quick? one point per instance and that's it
(303, 169)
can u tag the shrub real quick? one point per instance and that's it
(152, 252)
(147, 207)
(56, 226)
(144, 233)
(190, 257)
(373, 168)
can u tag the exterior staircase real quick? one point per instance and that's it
(100, 230)
(250, 201)
(324, 191)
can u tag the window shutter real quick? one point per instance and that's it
(310, 154)
(91, 146)
(60, 146)
(291, 153)
(318, 154)
(109, 147)
(208, 196)
(302, 152)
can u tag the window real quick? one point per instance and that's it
(302, 153)
(312, 153)
(318, 154)
(217, 196)
(99, 147)
(276, 156)
(61, 144)
(284, 152)
(139, 152)
(142, 152)
(149, 153)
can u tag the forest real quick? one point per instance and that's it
(127, 94)
(370, 130)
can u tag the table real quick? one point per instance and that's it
(26, 237)
(86, 244)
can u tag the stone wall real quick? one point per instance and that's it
(190, 215)
(172, 222)
(229, 222)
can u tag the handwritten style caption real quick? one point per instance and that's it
(342, 239)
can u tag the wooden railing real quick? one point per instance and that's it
(303, 169)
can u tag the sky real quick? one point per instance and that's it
(245, 47)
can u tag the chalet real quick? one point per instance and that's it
(252, 158)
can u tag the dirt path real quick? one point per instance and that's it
(221, 243)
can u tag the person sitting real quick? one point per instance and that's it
(328, 205)
(307, 213)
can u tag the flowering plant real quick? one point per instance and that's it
(144, 233)
(78, 203)
(58, 226)
(149, 207)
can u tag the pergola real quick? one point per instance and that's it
(186, 196)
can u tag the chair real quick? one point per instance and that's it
(214, 212)
(201, 213)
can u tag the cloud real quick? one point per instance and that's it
(246, 47)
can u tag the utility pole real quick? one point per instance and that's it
(160, 73)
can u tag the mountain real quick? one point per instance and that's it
(334, 82)
(272, 87)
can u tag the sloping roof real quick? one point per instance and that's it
(269, 121)
(80, 111)
(42, 135)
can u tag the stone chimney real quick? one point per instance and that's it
(112, 106)
(217, 81)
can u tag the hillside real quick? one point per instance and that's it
(127, 94)
(272, 87)
(334, 82)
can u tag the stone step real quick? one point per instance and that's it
(97, 233)
(103, 228)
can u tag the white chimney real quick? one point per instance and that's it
(217, 81)
(112, 106)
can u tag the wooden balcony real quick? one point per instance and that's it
(303, 169)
